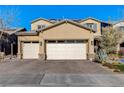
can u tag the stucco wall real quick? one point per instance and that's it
(66, 31)
(28, 38)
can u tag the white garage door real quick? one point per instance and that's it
(30, 50)
(67, 51)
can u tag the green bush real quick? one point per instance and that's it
(120, 66)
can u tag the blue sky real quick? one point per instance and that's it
(27, 13)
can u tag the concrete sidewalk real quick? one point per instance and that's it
(83, 80)
(62, 80)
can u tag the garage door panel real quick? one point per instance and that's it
(66, 51)
(30, 50)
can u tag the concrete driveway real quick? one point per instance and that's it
(57, 73)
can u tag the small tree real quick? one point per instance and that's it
(110, 39)
(8, 18)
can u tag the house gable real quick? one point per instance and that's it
(66, 30)
(65, 21)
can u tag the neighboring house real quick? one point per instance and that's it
(60, 39)
(120, 27)
(9, 39)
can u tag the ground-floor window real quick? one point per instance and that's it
(66, 41)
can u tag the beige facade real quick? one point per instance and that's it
(65, 30)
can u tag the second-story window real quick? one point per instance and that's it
(41, 26)
(91, 26)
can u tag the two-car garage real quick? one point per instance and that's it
(57, 50)
(68, 50)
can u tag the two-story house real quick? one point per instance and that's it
(62, 39)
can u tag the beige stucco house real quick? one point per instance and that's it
(60, 39)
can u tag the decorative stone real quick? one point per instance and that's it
(42, 56)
